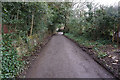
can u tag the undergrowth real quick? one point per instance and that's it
(87, 42)
(11, 62)
(14, 48)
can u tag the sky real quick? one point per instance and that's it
(107, 2)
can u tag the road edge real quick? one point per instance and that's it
(33, 57)
(94, 57)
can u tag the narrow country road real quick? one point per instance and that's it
(61, 58)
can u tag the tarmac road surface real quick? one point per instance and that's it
(61, 58)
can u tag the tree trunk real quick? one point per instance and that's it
(32, 22)
(65, 20)
(118, 22)
(118, 36)
(113, 38)
(17, 20)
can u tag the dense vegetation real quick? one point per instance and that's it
(96, 30)
(29, 23)
(97, 22)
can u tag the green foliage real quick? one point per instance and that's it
(10, 63)
(60, 12)
(92, 28)
(102, 54)
(18, 17)
(95, 45)
(97, 22)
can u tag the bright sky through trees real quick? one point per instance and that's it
(101, 2)
(107, 2)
